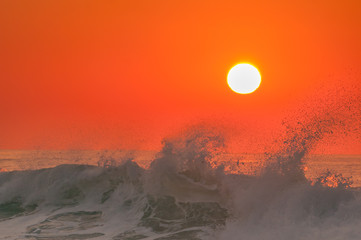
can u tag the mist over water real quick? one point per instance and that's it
(187, 192)
(191, 189)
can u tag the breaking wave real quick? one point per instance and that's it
(186, 193)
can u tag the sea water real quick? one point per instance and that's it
(188, 190)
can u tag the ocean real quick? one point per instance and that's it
(189, 190)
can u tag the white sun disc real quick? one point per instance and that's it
(244, 78)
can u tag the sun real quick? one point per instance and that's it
(244, 78)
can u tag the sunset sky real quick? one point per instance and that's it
(124, 74)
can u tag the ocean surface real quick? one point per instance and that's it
(186, 191)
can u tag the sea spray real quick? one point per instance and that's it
(186, 193)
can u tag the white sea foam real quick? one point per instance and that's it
(184, 194)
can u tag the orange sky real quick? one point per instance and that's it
(124, 74)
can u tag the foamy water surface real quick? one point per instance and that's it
(183, 192)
